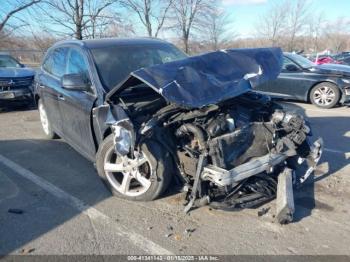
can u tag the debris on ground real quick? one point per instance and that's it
(170, 228)
(149, 228)
(189, 230)
(177, 237)
(168, 235)
(27, 250)
(15, 211)
(263, 211)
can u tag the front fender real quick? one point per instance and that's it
(103, 117)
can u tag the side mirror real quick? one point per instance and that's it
(76, 82)
(292, 68)
(20, 65)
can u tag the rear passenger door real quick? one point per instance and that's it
(76, 107)
(49, 85)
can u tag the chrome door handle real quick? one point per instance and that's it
(61, 97)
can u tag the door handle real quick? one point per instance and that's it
(61, 97)
(41, 86)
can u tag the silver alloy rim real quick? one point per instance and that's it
(134, 180)
(43, 119)
(324, 96)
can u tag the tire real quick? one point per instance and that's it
(325, 95)
(158, 172)
(45, 122)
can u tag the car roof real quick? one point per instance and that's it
(106, 42)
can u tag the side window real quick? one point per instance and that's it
(286, 62)
(47, 65)
(76, 64)
(59, 56)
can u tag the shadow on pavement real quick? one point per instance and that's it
(333, 130)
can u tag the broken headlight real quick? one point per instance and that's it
(123, 137)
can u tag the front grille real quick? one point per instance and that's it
(9, 82)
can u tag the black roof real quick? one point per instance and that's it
(105, 42)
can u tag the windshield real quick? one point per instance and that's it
(302, 61)
(115, 63)
(8, 61)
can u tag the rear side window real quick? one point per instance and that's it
(76, 63)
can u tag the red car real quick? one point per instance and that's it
(326, 59)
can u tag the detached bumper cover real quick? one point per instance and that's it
(266, 163)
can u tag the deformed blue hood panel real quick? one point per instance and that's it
(210, 78)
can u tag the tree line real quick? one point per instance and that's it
(194, 25)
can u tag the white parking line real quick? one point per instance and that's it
(138, 240)
(335, 151)
(346, 154)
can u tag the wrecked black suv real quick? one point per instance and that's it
(148, 115)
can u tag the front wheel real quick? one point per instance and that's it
(45, 122)
(143, 178)
(325, 95)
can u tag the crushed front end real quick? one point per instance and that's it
(231, 147)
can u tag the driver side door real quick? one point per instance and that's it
(76, 107)
(290, 84)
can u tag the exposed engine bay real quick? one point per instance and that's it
(227, 155)
(232, 153)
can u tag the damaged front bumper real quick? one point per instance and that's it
(266, 163)
(270, 166)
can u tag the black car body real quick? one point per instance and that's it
(16, 81)
(300, 79)
(145, 113)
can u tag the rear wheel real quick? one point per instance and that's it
(325, 95)
(45, 122)
(143, 179)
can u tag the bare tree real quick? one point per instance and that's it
(151, 13)
(271, 25)
(298, 15)
(316, 27)
(218, 28)
(13, 8)
(77, 18)
(337, 34)
(190, 15)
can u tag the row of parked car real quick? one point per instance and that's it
(342, 58)
(323, 84)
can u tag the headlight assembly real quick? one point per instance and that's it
(347, 81)
(347, 91)
(123, 137)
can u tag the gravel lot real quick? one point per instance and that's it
(67, 210)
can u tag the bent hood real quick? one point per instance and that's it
(210, 78)
(16, 72)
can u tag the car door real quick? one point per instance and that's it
(49, 85)
(76, 107)
(292, 82)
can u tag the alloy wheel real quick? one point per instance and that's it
(324, 96)
(43, 119)
(130, 177)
